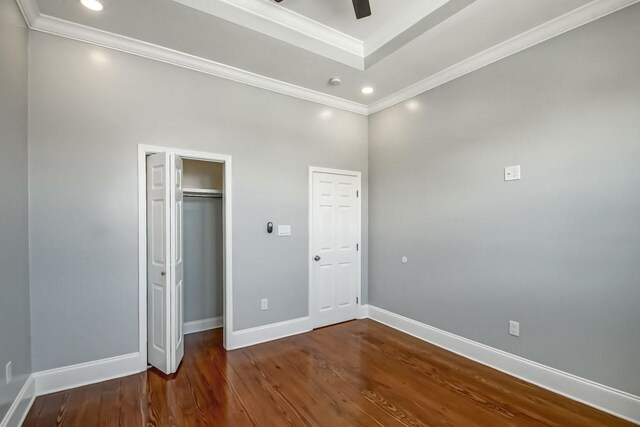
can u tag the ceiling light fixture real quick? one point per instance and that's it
(335, 81)
(94, 5)
(367, 90)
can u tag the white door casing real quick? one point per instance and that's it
(177, 278)
(144, 236)
(335, 240)
(158, 262)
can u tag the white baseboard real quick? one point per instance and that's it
(363, 311)
(68, 377)
(202, 325)
(604, 398)
(273, 331)
(20, 407)
(86, 373)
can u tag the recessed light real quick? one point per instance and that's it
(326, 114)
(367, 90)
(94, 5)
(413, 105)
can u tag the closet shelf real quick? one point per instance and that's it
(202, 192)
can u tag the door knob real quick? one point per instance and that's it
(162, 273)
(316, 258)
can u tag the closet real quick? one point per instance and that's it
(184, 253)
(202, 244)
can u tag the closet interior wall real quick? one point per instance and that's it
(203, 243)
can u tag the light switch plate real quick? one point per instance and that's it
(512, 173)
(284, 230)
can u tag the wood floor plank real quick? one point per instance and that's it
(358, 373)
(317, 370)
(50, 413)
(413, 401)
(456, 392)
(109, 415)
(533, 401)
(35, 410)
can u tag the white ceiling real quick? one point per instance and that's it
(433, 46)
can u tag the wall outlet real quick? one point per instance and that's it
(9, 372)
(512, 173)
(514, 328)
(264, 304)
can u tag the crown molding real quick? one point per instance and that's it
(560, 25)
(52, 25)
(571, 20)
(286, 25)
(294, 28)
(30, 10)
(405, 20)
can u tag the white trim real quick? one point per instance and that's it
(363, 311)
(21, 404)
(202, 325)
(358, 175)
(273, 20)
(83, 33)
(408, 17)
(601, 397)
(287, 25)
(143, 150)
(560, 25)
(73, 376)
(273, 331)
(30, 10)
(571, 20)
(198, 191)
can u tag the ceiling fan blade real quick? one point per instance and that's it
(362, 8)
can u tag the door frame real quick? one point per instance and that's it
(358, 175)
(227, 289)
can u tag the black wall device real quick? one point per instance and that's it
(269, 227)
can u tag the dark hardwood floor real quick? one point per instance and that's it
(356, 373)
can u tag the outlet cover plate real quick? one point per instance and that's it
(512, 173)
(514, 328)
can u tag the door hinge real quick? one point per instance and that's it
(357, 300)
(357, 193)
(357, 246)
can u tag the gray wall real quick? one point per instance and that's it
(14, 238)
(89, 109)
(203, 255)
(559, 250)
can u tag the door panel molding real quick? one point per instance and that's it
(173, 153)
(158, 264)
(313, 301)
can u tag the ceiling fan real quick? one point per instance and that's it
(361, 7)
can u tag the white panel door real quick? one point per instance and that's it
(335, 240)
(177, 278)
(158, 262)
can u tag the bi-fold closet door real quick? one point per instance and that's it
(165, 266)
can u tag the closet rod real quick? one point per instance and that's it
(207, 196)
